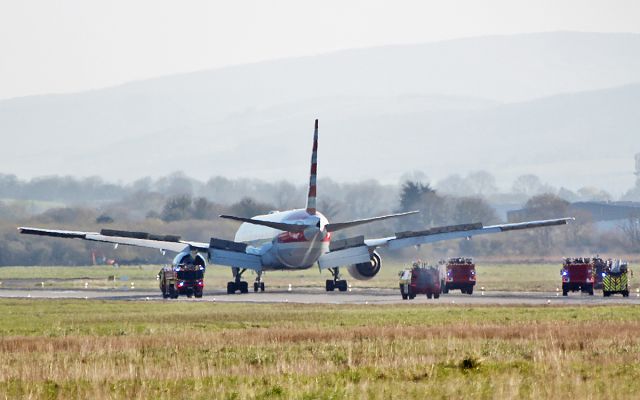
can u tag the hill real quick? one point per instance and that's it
(508, 104)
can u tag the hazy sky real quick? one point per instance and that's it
(70, 45)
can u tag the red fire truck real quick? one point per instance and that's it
(419, 280)
(457, 273)
(185, 276)
(577, 275)
(599, 266)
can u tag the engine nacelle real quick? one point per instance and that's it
(187, 258)
(367, 270)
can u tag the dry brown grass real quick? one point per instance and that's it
(277, 351)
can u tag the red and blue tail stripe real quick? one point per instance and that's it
(311, 198)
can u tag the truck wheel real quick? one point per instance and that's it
(165, 295)
(564, 292)
(470, 290)
(445, 289)
(625, 293)
(436, 295)
(605, 293)
(429, 295)
(173, 293)
(198, 294)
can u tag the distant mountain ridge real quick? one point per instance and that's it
(507, 104)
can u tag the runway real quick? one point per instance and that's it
(318, 296)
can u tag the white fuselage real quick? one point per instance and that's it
(287, 250)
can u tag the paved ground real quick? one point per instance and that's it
(308, 295)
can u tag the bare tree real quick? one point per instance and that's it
(472, 209)
(593, 194)
(481, 183)
(453, 185)
(530, 185)
(631, 230)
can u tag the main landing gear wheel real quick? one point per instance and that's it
(238, 285)
(336, 282)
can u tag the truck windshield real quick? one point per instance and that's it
(190, 275)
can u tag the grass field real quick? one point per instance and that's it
(93, 349)
(511, 277)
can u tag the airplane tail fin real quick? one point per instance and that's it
(311, 197)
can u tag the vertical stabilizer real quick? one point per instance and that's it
(311, 197)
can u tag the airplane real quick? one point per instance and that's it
(292, 240)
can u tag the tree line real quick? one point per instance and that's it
(195, 218)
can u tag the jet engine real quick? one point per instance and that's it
(187, 258)
(366, 270)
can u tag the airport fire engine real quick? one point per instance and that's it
(185, 276)
(458, 273)
(615, 278)
(420, 280)
(599, 266)
(577, 275)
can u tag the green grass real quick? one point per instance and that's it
(60, 349)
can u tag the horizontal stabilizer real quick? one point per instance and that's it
(275, 225)
(349, 224)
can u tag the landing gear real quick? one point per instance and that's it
(237, 285)
(258, 284)
(336, 282)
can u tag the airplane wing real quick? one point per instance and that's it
(139, 239)
(413, 238)
(221, 252)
